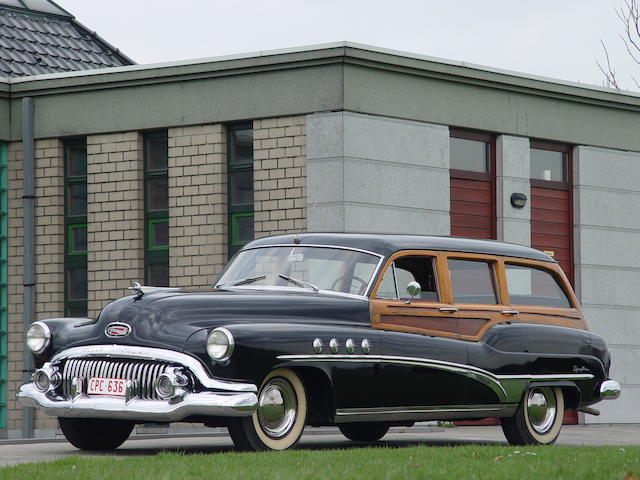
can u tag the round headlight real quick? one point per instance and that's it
(220, 344)
(38, 337)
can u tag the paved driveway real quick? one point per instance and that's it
(39, 451)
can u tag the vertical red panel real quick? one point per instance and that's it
(552, 224)
(473, 210)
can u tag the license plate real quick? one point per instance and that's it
(107, 386)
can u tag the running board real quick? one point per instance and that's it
(444, 412)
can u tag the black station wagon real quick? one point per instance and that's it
(363, 332)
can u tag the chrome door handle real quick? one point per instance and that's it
(448, 309)
(510, 312)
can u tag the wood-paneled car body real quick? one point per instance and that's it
(359, 331)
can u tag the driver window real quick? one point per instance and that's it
(409, 269)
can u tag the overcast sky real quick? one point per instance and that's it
(553, 38)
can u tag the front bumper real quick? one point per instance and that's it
(214, 398)
(214, 404)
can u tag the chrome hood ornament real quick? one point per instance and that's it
(140, 290)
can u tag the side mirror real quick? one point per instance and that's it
(413, 289)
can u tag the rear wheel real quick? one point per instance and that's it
(538, 419)
(95, 433)
(278, 422)
(364, 432)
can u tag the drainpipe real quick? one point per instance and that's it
(28, 206)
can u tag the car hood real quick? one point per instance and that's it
(167, 320)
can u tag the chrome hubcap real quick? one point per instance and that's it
(541, 409)
(277, 407)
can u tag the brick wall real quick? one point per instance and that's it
(49, 259)
(115, 216)
(280, 197)
(197, 205)
(15, 279)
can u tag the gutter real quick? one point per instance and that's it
(28, 215)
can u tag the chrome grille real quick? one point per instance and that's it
(143, 373)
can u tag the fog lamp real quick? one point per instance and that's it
(165, 387)
(41, 380)
(170, 383)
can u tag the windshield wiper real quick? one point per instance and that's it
(299, 283)
(242, 281)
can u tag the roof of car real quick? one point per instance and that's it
(388, 244)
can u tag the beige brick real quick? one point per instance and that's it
(279, 175)
(115, 217)
(197, 199)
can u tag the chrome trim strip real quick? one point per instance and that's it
(147, 353)
(505, 386)
(214, 404)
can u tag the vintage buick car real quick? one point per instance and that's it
(359, 331)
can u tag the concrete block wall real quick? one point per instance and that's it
(115, 216)
(607, 265)
(279, 175)
(197, 204)
(377, 174)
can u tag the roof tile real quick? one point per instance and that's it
(33, 43)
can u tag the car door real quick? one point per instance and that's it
(422, 353)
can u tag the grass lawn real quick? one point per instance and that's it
(456, 462)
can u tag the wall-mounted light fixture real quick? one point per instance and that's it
(518, 200)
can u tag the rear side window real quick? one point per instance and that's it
(534, 286)
(472, 281)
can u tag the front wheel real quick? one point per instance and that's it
(538, 419)
(95, 433)
(364, 432)
(278, 422)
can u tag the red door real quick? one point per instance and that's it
(472, 185)
(551, 210)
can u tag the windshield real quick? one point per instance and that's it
(313, 268)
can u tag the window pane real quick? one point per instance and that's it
(77, 283)
(77, 160)
(470, 155)
(159, 232)
(243, 231)
(472, 281)
(77, 199)
(157, 193)
(156, 152)
(78, 240)
(532, 286)
(387, 288)
(241, 148)
(416, 269)
(77, 311)
(548, 165)
(158, 274)
(242, 187)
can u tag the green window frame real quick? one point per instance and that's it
(3, 289)
(75, 207)
(240, 186)
(156, 207)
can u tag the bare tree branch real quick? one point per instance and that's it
(629, 15)
(609, 73)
